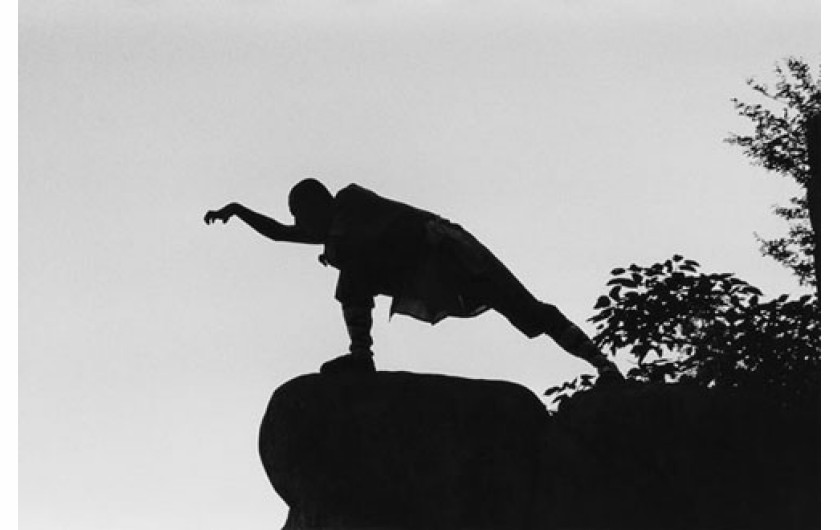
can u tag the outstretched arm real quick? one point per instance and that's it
(265, 225)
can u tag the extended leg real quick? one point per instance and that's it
(572, 339)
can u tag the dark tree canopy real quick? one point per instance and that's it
(780, 144)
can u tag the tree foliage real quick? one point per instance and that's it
(778, 143)
(680, 324)
(709, 329)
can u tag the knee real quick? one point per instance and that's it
(359, 299)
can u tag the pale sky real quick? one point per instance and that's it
(571, 137)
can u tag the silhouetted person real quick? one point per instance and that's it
(430, 267)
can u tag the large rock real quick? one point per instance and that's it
(400, 450)
(406, 451)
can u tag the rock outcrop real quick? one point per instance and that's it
(407, 451)
(399, 450)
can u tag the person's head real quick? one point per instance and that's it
(311, 204)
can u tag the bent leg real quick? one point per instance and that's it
(356, 300)
(355, 292)
(360, 359)
(359, 319)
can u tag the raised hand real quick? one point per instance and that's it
(222, 214)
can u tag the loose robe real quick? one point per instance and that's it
(431, 268)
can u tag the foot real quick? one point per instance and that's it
(351, 363)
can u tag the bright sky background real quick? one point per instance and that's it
(571, 137)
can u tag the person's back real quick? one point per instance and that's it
(368, 229)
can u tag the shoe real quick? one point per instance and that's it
(351, 363)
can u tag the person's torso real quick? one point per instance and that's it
(374, 232)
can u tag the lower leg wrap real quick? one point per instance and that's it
(359, 320)
(572, 339)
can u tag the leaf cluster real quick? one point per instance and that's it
(795, 250)
(582, 383)
(682, 324)
(778, 141)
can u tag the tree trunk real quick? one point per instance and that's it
(813, 188)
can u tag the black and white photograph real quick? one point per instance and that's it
(419, 265)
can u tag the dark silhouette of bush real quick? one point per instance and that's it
(710, 329)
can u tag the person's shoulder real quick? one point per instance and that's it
(353, 188)
(353, 192)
